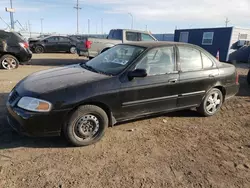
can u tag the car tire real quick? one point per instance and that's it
(86, 125)
(8, 62)
(211, 103)
(248, 77)
(72, 50)
(39, 49)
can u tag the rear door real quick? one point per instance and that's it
(64, 44)
(197, 75)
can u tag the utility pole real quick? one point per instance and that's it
(227, 21)
(11, 17)
(88, 26)
(96, 27)
(29, 27)
(146, 27)
(41, 25)
(102, 25)
(77, 16)
(132, 21)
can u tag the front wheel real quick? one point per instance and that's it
(39, 49)
(86, 126)
(211, 103)
(9, 62)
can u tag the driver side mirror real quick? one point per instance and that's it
(137, 73)
(45, 41)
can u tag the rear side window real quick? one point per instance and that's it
(146, 37)
(190, 59)
(64, 39)
(131, 36)
(4, 36)
(117, 34)
(207, 62)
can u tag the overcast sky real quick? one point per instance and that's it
(160, 16)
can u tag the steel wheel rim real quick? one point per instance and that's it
(86, 127)
(73, 50)
(9, 63)
(213, 102)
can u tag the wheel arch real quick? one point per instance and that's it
(221, 88)
(9, 53)
(101, 105)
(223, 91)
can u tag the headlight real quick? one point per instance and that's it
(33, 104)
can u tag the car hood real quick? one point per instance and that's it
(58, 78)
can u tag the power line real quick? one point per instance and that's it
(77, 17)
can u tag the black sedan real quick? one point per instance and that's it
(128, 81)
(54, 44)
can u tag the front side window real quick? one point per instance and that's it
(114, 60)
(146, 37)
(190, 59)
(131, 36)
(158, 61)
(208, 38)
(207, 62)
(52, 39)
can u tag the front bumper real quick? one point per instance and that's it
(35, 124)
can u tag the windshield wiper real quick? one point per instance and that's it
(93, 70)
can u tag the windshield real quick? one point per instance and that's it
(114, 60)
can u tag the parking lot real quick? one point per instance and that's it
(180, 149)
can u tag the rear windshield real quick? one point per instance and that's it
(19, 36)
(115, 34)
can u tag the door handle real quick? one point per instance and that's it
(173, 80)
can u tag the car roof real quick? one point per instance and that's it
(153, 44)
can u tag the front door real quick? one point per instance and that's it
(51, 44)
(197, 75)
(156, 92)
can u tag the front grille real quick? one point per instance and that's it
(13, 96)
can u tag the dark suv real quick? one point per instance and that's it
(14, 49)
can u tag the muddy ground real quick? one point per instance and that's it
(178, 149)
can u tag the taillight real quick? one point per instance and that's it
(237, 78)
(24, 44)
(88, 44)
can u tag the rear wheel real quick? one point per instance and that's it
(39, 49)
(8, 62)
(72, 50)
(211, 103)
(86, 125)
